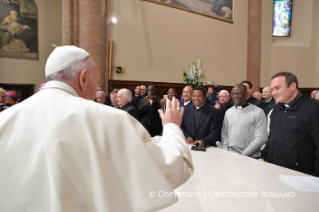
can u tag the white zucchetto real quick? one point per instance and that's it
(63, 57)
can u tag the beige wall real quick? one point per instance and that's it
(154, 43)
(297, 54)
(25, 71)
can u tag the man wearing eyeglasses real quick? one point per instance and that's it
(142, 91)
(113, 97)
(187, 96)
(244, 128)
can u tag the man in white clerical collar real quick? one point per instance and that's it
(143, 91)
(244, 128)
(124, 97)
(293, 139)
(137, 91)
(269, 101)
(201, 123)
(224, 102)
(187, 96)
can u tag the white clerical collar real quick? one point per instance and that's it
(268, 100)
(59, 85)
(242, 106)
(186, 103)
(286, 105)
(199, 106)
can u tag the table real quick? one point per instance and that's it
(226, 181)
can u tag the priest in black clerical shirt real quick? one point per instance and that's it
(124, 97)
(250, 98)
(201, 123)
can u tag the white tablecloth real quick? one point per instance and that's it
(225, 181)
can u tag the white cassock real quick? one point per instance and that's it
(60, 152)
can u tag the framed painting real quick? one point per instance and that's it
(219, 9)
(19, 29)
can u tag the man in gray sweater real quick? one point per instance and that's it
(244, 128)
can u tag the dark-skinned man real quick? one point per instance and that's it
(201, 123)
(244, 127)
(148, 112)
(170, 94)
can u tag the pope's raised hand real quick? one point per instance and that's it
(173, 114)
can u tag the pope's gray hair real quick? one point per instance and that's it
(71, 73)
(127, 93)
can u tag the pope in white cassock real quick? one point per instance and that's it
(59, 151)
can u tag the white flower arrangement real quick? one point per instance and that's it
(192, 77)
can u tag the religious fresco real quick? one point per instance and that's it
(219, 9)
(19, 29)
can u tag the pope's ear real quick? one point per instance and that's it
(84, 78)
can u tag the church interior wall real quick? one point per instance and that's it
(154, 43)
(297, 54)
(31, 71)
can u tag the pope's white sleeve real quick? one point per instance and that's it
(172, 155)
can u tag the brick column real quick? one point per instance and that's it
(254, 43)
(84, 24)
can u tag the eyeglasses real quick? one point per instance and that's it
(237, 94)
(187, 92)
(114, 98)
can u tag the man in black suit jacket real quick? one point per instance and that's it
(268, 100)
(148, 112)
(293, 142)
(250, 98)
(187, 96)
(124, 97)
(102, 98)
(136, 97)
(201, 123)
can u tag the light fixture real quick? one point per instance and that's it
(113, 21)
